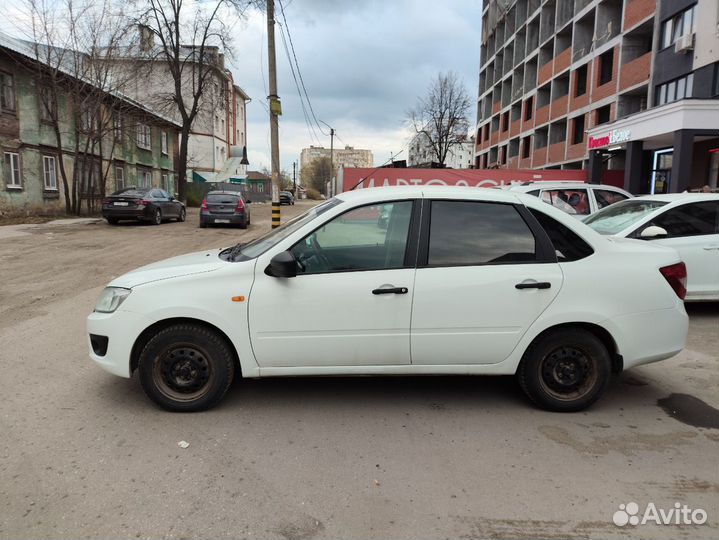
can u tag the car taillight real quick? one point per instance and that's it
(142, 202)
(240, 205)
(676, 276)
(204, 204)
(106, 201)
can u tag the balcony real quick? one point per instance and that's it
(636, 71)
(562, 60)
(556, 152)
(539, 157)
(496, 106)
(515, 127)
(636, 11)
(577, 151)
(545, 73)
(541, 116)
(559, 107)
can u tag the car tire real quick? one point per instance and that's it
(156, 218)
(186, 368)
(244, 225)
(182, 216)
(565, 370)
(203, 225)
(112, 220)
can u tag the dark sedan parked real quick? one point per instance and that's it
(286, 197)
(142, 204)
(228, 207)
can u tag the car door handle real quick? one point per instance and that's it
(391, 290)
(537, 285)
(711, 248)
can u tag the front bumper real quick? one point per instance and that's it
(121, 328)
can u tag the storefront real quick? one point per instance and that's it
(667, 149)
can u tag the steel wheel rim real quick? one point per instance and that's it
(567, 373)
(183, 372)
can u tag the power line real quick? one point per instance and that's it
(299, 73)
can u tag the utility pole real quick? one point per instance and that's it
(294, 178)
(275, 112)
(332, 162)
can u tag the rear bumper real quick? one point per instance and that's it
(124, 213)
(235, 219)
(650, 336)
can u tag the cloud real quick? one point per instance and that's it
(363, 63)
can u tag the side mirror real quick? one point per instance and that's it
(653, 232)
(282, 265)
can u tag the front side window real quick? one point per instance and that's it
(12, 170)
(49, 172)
(695, 219)
(366, 238)
(475, 233)
(606, 197)
(7, 92)
(571, 201)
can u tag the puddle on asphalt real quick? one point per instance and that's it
(690, 410)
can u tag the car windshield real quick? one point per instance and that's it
(131, 192)
(244, 252)
(617, 217)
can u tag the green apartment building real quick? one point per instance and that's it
(45, 131)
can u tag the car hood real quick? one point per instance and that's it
(183, 265)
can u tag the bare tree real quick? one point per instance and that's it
(440, 117)
(189, 38)
(77, 92)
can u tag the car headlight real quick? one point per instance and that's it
(111, 298)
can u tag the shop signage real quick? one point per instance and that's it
(615, 136)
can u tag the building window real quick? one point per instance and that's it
(682, 24)
(606, 67)
(119, 177)
(603, 114)
(526, 147)
(581, 81)
(144, 178)
(12, 170)
(49, 169)
(675, 90)
(7, 92)
(48, 106)
(166, 182)
(529, 108)
(578, 130)
(163, 140)
(86, 119)
(144, 137)
(117, 126)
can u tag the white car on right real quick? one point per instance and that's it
(687, 222)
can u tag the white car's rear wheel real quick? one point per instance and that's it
(565, 370)
(186, 368)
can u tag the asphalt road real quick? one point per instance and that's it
(84, 454)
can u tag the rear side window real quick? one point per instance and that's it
(606, 197)
(694, 219)
(472, 233)
(130, 192)
(567, 244)
(571, 201)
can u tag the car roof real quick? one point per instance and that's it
(530, 186)
(379, 194)
(224, 192)
(680, 197)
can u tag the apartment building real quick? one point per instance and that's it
(557, 77)
(348, 156)
(459, 156)
(217, 146)
(73, 148)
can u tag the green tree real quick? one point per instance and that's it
(317, 174)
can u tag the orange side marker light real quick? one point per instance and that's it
(238, 298)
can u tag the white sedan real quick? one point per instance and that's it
(399, 281)
(687, 222)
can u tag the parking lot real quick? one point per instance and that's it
(84, 454)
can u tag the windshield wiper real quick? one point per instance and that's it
(236, 250)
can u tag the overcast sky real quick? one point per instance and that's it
(363, 62)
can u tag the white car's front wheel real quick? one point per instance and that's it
(565, 370)
(186, 368)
